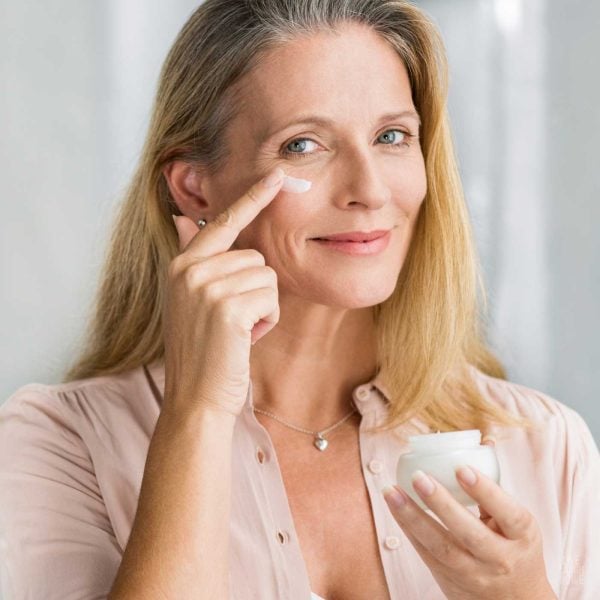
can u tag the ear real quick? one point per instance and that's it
(185, 183)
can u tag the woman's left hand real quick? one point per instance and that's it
(496, 556)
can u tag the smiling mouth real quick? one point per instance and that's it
(358, 246)
(355, 236)
(346, 241)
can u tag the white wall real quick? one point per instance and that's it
(78, 78)
(525, 105)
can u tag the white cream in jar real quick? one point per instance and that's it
(440, 454)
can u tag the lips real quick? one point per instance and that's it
(354, 236)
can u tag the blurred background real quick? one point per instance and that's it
(78, 81)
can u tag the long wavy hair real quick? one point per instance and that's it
(430, 331)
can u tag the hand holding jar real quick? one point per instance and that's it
(498, 555)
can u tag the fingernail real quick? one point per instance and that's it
(273, 178)
(422, 483)
(466, 475)
(295, 185)
(393, 496)
(489, 438)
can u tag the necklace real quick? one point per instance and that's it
(319, 442)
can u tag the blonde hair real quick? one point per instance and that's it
(429, 331)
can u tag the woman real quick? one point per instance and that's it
(248, 386)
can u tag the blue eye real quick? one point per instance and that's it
(385, 133)
(300, 143)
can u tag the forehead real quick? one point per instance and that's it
(352, 74)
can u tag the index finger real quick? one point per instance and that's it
(220, 233)
(513, 519)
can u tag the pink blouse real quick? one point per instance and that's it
(72, 458)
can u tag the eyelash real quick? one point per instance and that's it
(407, 136)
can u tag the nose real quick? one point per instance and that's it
(359, 182)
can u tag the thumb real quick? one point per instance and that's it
(186, 230)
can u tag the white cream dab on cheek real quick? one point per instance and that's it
(295, 185)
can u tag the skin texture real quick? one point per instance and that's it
(304, 369)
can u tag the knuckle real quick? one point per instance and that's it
(481, 582)
(272, 272)
(253, 195)
(225, 218)
(504, 566)
(443, 550)
(225, 309)
(191, 276)
(248, 256)
(174, 267)
(532, 532)
(521, 520)
(473, 540)
(257, 256)
(211, 292)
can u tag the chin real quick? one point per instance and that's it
(360, 296)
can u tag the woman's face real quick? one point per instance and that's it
(367, 173)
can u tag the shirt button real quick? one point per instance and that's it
(391, 542)
(260, 455)
(283, 536)
(363, 393)
(375, 466)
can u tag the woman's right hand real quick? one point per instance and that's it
(218, 302)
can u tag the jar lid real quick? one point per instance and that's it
(450, 440)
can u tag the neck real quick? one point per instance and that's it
(305, 369)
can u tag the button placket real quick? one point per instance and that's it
(283, 537)
(375, 466)
(260, 455)
(391, 542)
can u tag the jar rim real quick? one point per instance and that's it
(445, 440)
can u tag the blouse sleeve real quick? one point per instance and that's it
(580, 577)
(56, 540)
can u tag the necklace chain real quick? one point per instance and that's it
(320, 442)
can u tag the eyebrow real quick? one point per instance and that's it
(324, 122)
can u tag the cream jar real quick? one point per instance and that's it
(439, 454)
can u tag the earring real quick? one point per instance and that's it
(202, 222)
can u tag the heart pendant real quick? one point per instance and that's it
(321, 443)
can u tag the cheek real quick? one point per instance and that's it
(410, 190)
(276, 230)
(288, 215)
